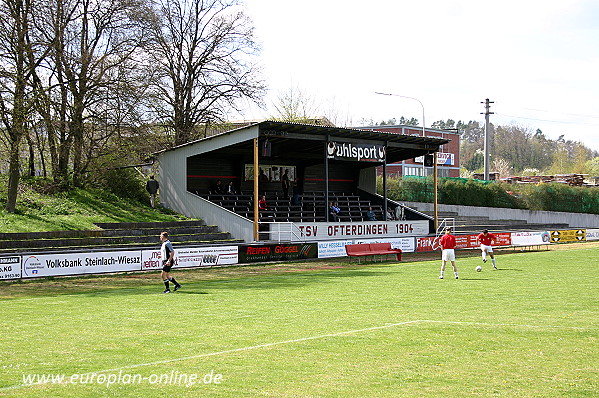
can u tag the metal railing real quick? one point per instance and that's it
(280, 232)
(444, 223)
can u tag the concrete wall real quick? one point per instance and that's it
(574, 220)
(173, 186)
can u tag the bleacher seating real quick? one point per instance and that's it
(312, 209)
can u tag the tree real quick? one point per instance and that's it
(390, 122)
(294, 105)
(592, 167)
(444, 125)
(89, 39)
(471, 141)
(561, 162)
(408, 122)
(502, 166)
(203, 54)
(475, 162)
(17, 61)
(580, 156)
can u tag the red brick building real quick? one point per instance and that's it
(448, 158)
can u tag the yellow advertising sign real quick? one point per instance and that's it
(568, 235)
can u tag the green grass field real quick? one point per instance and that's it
(313, 329)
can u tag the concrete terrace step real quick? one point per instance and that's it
(113, 241)
(538, 220)
(483, 221)
(145, 225)
(144, 234)
(100, 233)
(509, 227)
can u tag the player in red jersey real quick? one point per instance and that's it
(486, 240)
(448, 244)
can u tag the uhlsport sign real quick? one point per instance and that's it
(356, 152)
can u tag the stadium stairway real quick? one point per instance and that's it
(117, 235)
(475, 224)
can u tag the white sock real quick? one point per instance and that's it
(484, 256)
(493, 261)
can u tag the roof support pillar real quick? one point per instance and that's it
(384, 183)
(326, 179)
(436, 198)
(256, 215)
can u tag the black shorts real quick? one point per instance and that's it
(166, 268)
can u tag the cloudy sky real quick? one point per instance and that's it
(538, 60)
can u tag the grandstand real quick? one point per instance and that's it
(325, 164)
(311, 209)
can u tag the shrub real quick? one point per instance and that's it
(560, 197)
(125, 183)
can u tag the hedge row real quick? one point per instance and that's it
(469, 192)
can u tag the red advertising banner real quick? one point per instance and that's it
(462, 242)
(503, 239)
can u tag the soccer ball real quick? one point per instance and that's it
(479, 268)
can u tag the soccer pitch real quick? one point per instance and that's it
(312, 329)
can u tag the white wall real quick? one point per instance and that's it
(574, 220)
(173, 185)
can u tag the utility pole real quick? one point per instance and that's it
(487, 113)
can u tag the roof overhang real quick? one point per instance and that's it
(305, 141)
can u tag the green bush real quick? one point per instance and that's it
(560, 197)
(125, 183)
(470, 192)
(416, 189)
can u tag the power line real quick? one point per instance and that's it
(561, 113)
(546, 120)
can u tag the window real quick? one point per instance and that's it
(417, 171)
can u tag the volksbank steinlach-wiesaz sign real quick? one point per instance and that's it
(356, 152)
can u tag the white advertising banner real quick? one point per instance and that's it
(407, 245)
(10, 267)
(193, 257)
(530, 238)
(592, 234)
(40, 265)
(333, 248)
(366, 230)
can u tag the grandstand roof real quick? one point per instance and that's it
(305, 141)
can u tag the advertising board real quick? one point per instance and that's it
(407, 245)
(592, 234)
(334, 248)
(365, 230)
(530, 238)
(193, 257)
(462, 242)
(568, 235)
(277, 252)
(10, 267)
(41, 265)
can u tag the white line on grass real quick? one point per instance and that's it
(322, 336)
(512, 325)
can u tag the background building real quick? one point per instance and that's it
(448, 157)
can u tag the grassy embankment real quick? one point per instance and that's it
(77, 209)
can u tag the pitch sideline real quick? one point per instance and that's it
(322, 336)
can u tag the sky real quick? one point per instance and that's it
(538, 61)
